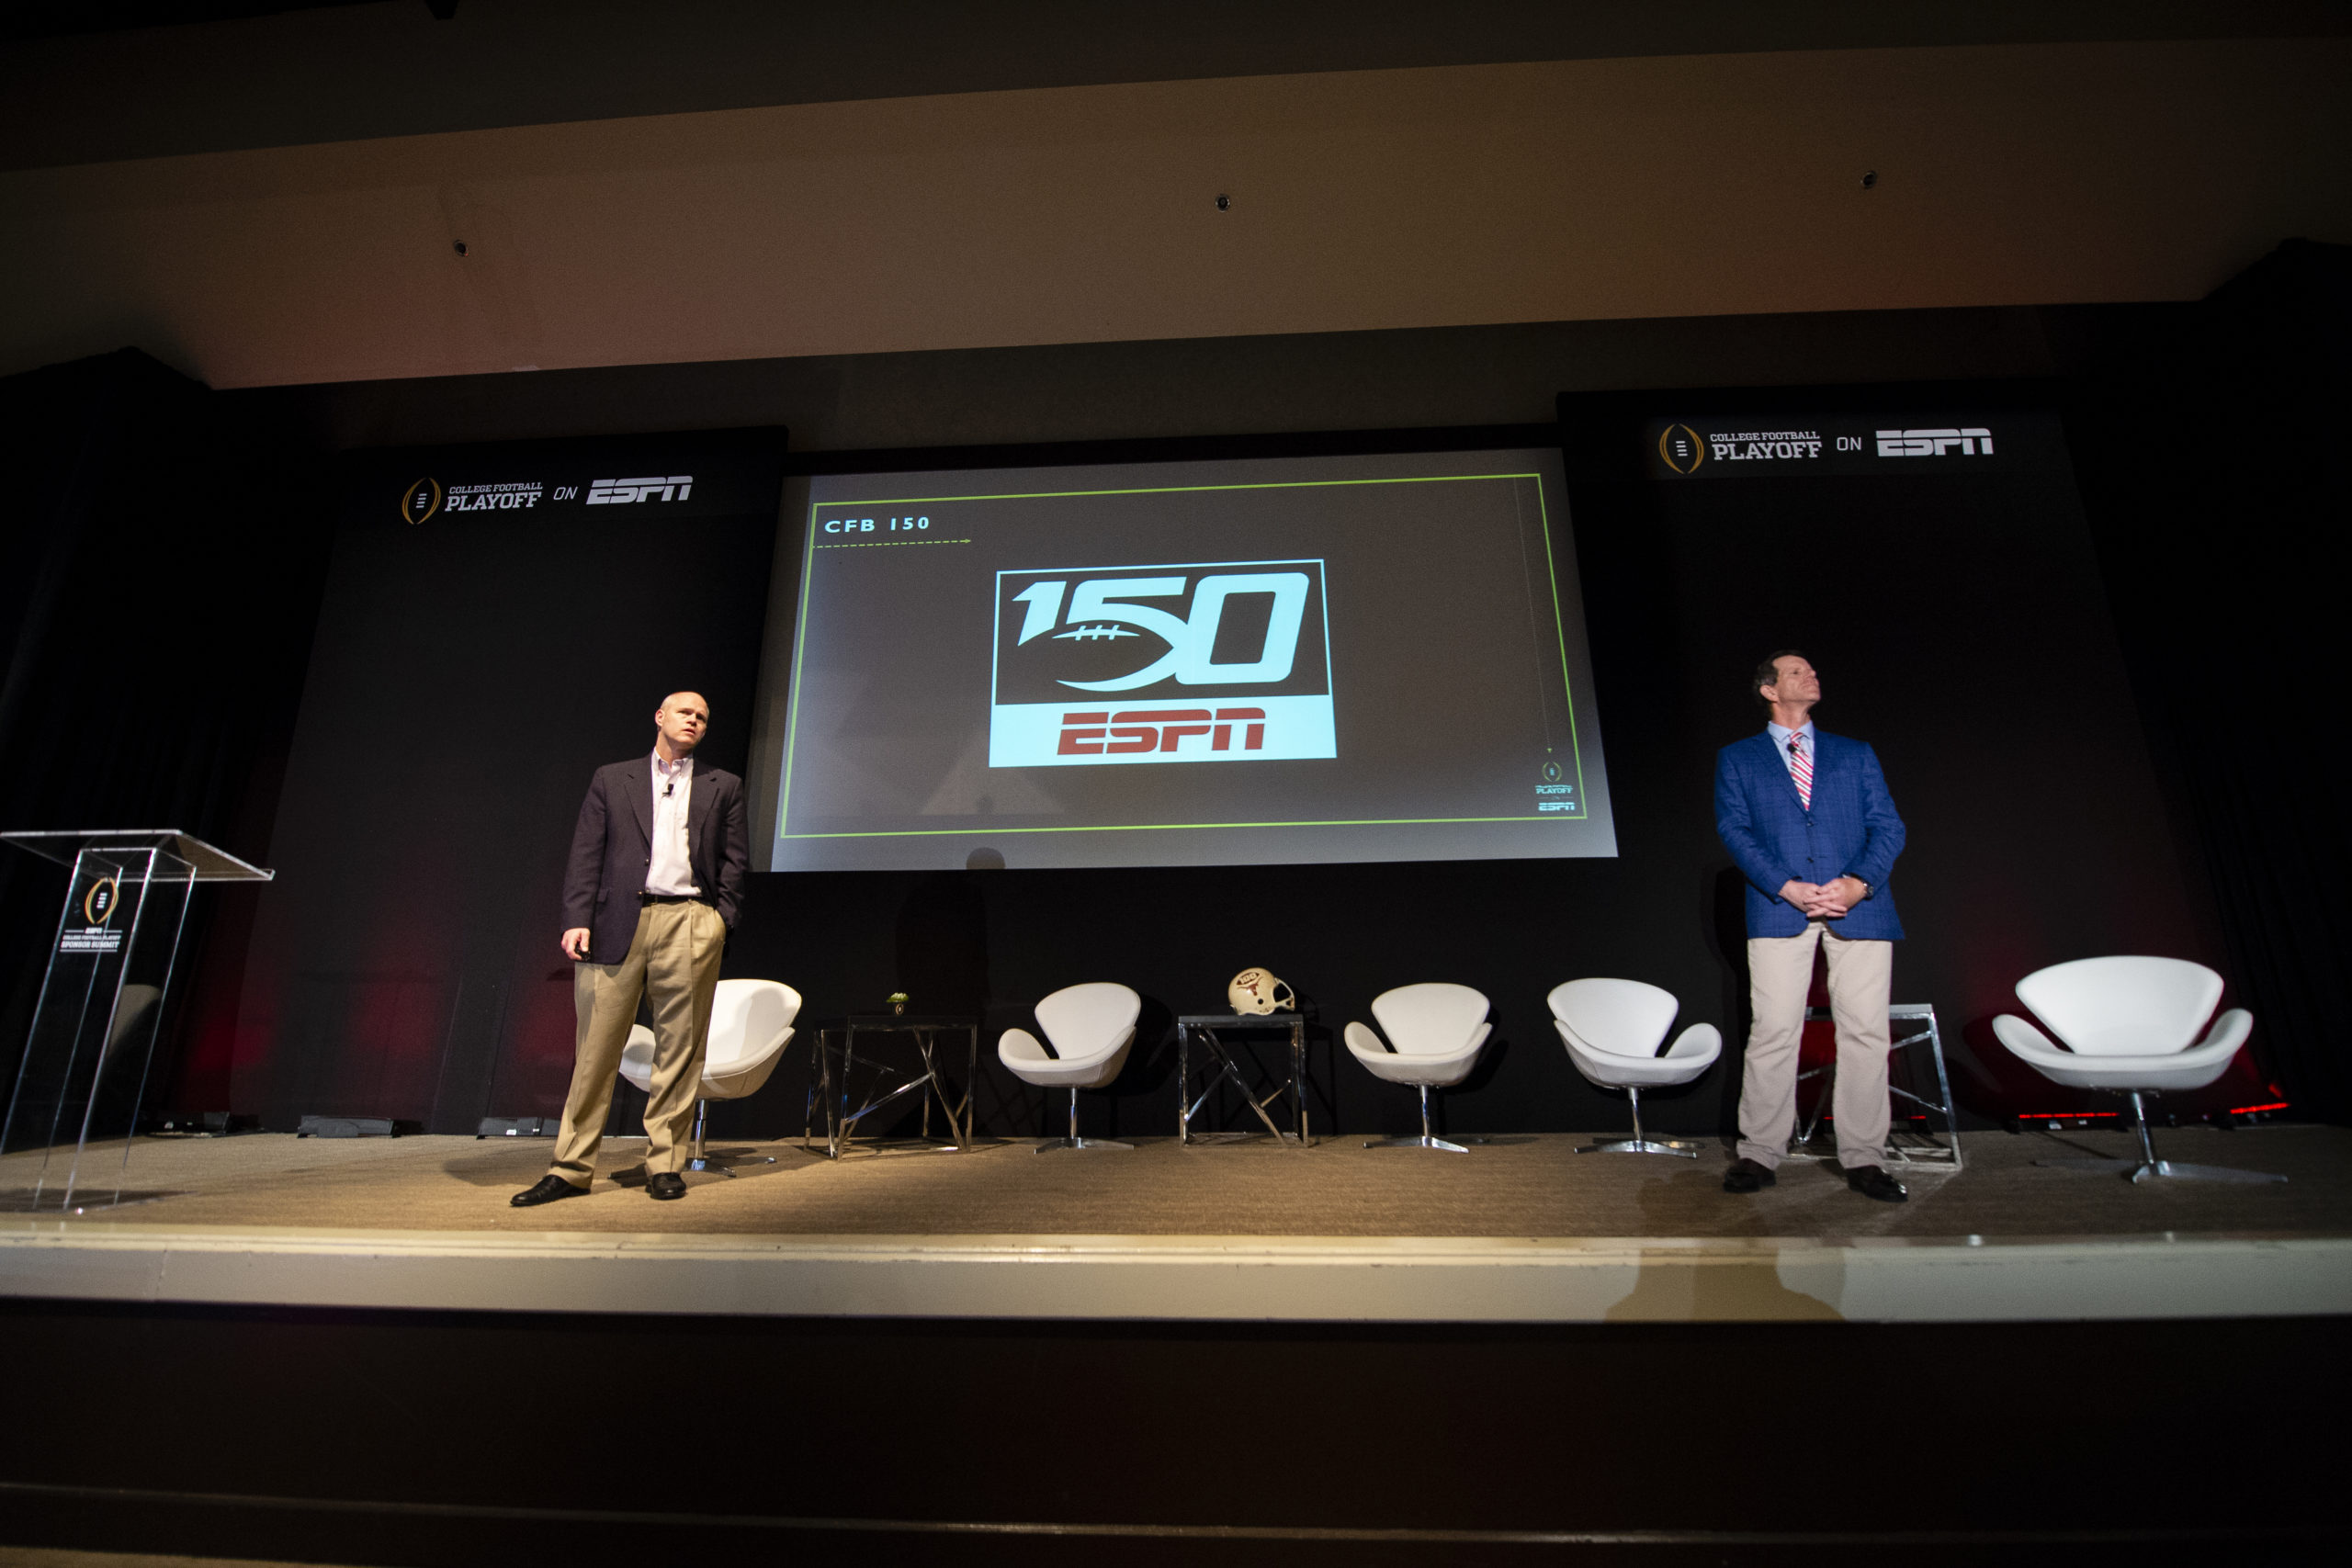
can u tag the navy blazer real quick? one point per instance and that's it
(612, 849)
(1851, 830)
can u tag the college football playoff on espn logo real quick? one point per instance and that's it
(1204, 661)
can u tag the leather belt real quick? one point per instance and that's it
(644, 897)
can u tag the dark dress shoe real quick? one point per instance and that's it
(665, 1185)
(1872, 1183)
(1746, 1175)
(549, 1189)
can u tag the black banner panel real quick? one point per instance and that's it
(497, 622)
(1931, 560)
(1255, 661)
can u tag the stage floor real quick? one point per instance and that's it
(1524, 1185)
(1516, 1229)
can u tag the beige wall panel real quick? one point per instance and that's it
(1574, 190)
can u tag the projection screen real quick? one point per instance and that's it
(1247, 661)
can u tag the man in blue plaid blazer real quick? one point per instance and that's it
(1808, 820)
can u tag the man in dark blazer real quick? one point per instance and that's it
(1808, 820)
(654, 885)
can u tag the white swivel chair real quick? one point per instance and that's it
(1434, 1033)
(1612, 1030)
(1091, 1027)
(751, 1023)
(2129, 1027)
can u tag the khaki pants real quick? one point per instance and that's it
(673, 965)
(1780, 973)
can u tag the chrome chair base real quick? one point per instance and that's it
(1641, 1145)
(2137, 1171)
(1427, 1140)
(2148, 1165)
(700, 1158)
(1641, 1142)
(1073, 1140)
(724, 1164)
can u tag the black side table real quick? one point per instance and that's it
(1222, 1067)
(841, 1121)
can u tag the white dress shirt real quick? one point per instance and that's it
(672, 868)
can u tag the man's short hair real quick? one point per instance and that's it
(1769, 673)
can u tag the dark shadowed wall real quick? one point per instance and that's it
(471, 669)
(470, 672)
(1666, 605)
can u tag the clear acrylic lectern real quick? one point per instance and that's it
(102, 1002)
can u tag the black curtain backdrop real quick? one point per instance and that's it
(473, 666)
(164, 578)
(1957, 613)
(2038, 828)
(159, 579)
(2213, 474)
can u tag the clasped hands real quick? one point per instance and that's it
(1824, 900)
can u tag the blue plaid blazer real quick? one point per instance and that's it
(1851, 830)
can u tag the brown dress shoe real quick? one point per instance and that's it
(549, 1189)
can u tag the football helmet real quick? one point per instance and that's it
(1256, 991)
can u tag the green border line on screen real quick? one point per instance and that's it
(1179, 827)
(800, 646)
(815, 507)
(1559, 629)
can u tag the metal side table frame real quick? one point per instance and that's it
(841, 1121)
(1931, 1156)
(1224, 1068)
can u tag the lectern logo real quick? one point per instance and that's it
(1679, 448)
(421, 500)
(97, 904)
(1207, 661)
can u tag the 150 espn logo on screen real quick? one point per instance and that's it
(1204, 661)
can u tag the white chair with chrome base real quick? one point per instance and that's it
(751, 1023)
(1434, 1033)
(2129, 1026)
(1612, 1030)
(1090, 1027)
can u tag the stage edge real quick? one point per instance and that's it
(1407, 1280)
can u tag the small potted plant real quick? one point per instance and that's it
(898, 1004)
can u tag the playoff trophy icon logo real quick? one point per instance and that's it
(421, 500)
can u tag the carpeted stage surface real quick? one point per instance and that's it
(1525, 1186)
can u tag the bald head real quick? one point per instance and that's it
(680, 721)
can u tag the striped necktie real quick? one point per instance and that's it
(1801, 771)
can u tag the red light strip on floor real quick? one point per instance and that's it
(2066, 1115)
(2244, 1110)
